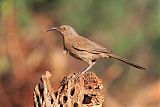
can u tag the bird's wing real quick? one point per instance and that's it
(84, 44)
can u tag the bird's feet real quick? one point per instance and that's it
(79, 75)
(74, 77)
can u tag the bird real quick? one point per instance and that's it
(85, 49)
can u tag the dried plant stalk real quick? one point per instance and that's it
(81, 92)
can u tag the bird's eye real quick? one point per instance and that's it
(64, 28)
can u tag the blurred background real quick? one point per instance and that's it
(130, 28)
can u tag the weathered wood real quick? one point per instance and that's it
(81, 92)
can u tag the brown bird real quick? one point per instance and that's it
(85, 49)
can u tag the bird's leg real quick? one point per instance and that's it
(77, 76)
(91, 63)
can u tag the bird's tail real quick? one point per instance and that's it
(126, 61)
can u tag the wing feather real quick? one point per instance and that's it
(84, 44)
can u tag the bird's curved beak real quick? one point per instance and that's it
(53, 28)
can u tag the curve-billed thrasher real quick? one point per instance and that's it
(86, 50)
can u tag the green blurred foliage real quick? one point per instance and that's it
(101, 16)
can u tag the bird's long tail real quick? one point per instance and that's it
(126, 61)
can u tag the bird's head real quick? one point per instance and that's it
(65, 30)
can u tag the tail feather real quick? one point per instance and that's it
(127, 62)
